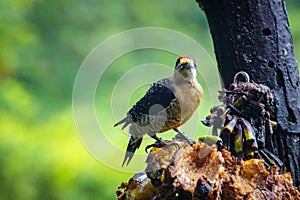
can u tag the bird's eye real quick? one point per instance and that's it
(179, 66)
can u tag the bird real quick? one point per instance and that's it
(167, 104)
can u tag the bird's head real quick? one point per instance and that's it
(186, 67)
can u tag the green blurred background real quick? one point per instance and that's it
(43, 44)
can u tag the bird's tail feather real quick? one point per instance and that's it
(125, 120)
(133, 144)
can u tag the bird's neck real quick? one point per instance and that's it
(190, 78)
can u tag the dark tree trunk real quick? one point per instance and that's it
(254, 36)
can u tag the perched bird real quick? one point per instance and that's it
(168, 104)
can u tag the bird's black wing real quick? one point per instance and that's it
(160, 93)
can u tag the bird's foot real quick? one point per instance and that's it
(161, 143)
(182, 135)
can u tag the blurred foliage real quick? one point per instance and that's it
(42, 46)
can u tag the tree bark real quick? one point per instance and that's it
(254, 36)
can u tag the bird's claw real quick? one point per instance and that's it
(183, 136)
(161, 144)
